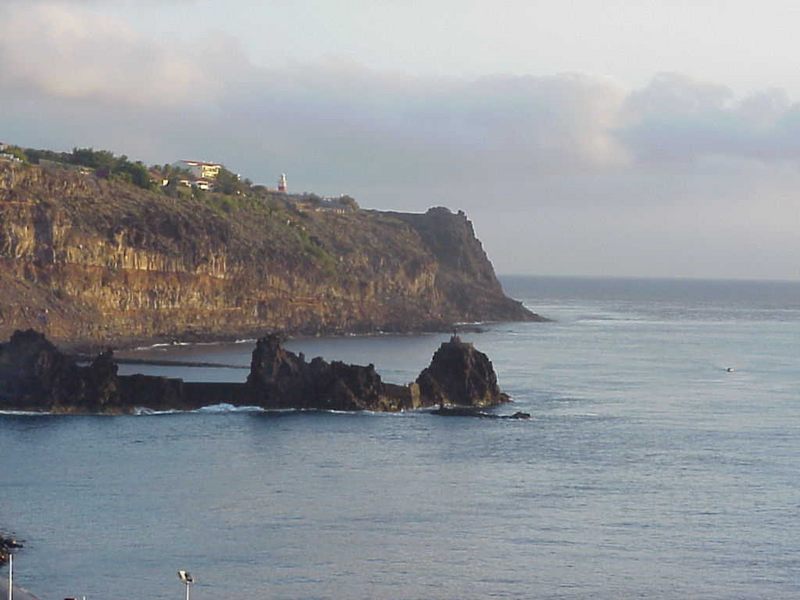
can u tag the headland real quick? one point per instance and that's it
(89, 258)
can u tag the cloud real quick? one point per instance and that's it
(61, 52)
(676, 118)
(348, 121)
(565, 173)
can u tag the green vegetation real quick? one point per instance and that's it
(104, 163)
(312, 247)
(230, 194)
(16, 152)
(227, 182)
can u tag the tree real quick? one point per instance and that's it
(17, 152)
(137, 172)
(106, 164)
(348, 202)
(227, 182)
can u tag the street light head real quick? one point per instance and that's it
(185, 577)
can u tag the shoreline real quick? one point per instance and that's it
(154, 362)
(82, 349)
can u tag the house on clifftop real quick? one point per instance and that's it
(201, 170)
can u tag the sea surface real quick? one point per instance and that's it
(648, 469)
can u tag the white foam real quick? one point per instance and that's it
(141, 411)
(228, 408)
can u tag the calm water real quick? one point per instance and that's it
(647, 471)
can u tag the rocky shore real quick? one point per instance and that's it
(37, 376)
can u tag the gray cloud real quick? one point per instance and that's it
(676, 118)
(564, 173)
(361, 122)
(53, 50)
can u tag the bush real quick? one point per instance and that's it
(106, 164)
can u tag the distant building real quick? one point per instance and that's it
(157, 178)
(200, 169)
(282, 183)
(198, 184)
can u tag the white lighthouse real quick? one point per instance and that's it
(282, 183)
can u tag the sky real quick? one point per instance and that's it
(601, 138)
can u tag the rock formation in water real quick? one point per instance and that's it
(460, 375)
(36, 376)
(282, 379)
(88, 260)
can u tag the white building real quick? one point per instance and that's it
(198, 168)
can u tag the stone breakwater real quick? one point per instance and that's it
(37, 376)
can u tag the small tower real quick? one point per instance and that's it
(282, 183)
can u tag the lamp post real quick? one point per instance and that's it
(185, 577)
(10, 575)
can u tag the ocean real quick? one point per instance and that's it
(661, 462)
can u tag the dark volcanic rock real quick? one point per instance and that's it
(282, 379)
(460, 375)
(154, 393)
(466, 411)
(36, 376)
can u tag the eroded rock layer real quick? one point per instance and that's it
(88, 260)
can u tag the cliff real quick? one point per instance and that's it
(89, 260)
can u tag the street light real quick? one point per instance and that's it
(185, 577)
(10, 545)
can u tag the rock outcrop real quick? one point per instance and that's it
(465, 411)
(89, 260)
(460, 375)
(282, 379)
(36, 376)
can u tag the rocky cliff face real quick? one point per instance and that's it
(89, 260)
